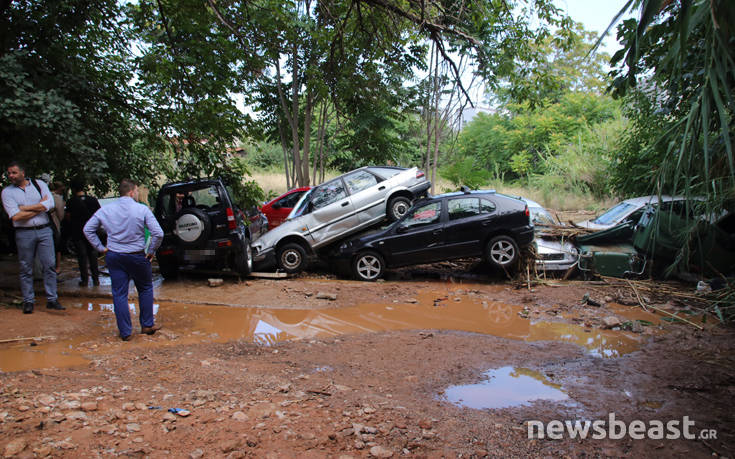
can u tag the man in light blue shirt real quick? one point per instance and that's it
(125, 221)
(27, 203)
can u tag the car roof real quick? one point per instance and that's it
(652, 199)
(192, 182)
(464, 193)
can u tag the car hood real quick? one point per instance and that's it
(593, 226)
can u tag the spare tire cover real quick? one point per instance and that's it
(189, 227)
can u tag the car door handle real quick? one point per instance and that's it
(344, 204)
(486, 222)
(439, 231)
(381, 188)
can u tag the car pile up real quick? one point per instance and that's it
(652, 236)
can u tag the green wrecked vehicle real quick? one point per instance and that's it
(663, 243)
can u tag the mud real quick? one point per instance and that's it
(272, 368)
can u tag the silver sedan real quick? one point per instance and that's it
(336, 209)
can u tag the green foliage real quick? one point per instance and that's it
(466, 172)
(518, 144)
(64, 106)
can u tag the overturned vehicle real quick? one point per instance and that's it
(672, 242)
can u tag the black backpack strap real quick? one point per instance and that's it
(38, 188)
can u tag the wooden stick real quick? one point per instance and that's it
(676, 317)
(32, 338)
(640, 300)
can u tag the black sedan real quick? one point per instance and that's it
(453, 225)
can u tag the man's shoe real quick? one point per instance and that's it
(83, 283)
(96, 282)
(126, 338)
(55, 306)
(27, 307)
(150, 330)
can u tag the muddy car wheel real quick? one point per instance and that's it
(502, 252)
(368, 266)
(292, 258)
(397, 207)
(244, 259)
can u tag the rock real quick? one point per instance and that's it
(128, 406)
(169, 417)
(636, 327)
(611, 321)
(240, 416)
(133, 427)
(24, 408)
(425, 424)
(607, 299)
(359, 444)
(230, 446)
(140, 406)
(70, 405)
(77, 416)
(380, 451)
(66, 444)
(215, 282)
(412, 300)
(15, 447)
(368, 410)
(326, 296)
(196, 454)
(45, 399)
(285, 388)
(89, 406)
(108, 429)
(43, 451)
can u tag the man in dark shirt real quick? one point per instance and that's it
(79, 209)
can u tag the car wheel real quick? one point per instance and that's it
(244, 259)
(292, 258)
(169, 270)
(192, 226)
(502, 251)
(397, 207)
(368, 266)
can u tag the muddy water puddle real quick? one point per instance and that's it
(190, 324)
(506, 387)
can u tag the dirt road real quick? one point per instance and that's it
(424, 365)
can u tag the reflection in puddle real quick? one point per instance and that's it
(189, 324)
(505, 388)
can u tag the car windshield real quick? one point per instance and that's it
(301, 206)
(615, 214)
(541, 216)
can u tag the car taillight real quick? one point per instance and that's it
(166, 252)
(419, 174)
(527, 212)
(231, 224)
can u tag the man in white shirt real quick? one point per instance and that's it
(27, 203)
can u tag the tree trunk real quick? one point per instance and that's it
(427, 107)
(436, 122)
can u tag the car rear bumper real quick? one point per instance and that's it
(524, 235)
(420, 189)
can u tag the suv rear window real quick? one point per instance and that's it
(205, 198)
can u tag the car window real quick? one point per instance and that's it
(486, 206)
(615, 214)
(290, 200)
(463, 208)
(359, 181)
(328, 193)
(422, 216)
(386, 172)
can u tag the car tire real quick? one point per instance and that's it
(292, 258)
(397, 207)
(192, 226)
(169, 270)
(244, 259)
(502, 252)
(368, 266)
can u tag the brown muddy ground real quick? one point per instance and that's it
(317, 366)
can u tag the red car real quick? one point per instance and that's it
(278, 209)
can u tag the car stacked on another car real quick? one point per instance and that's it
(204, 228)
(336, 209)
(449, 226)
(631, 210)
(278, 209)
